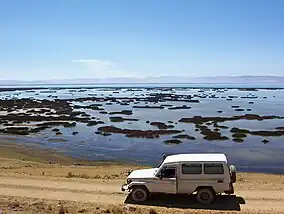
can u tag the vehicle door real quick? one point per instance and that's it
(190, 177)
(167, 180)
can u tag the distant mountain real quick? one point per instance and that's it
(162, 79)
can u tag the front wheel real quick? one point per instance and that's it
(139, 194)
(205, 196)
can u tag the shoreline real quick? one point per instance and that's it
(38, 154)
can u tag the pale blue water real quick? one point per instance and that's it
(251, 155)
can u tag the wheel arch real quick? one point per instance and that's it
(205, 187)
(139, 185)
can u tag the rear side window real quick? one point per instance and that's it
(191, 168)
(214, 168)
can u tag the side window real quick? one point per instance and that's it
(214, 168)
(191, 168)
(169, 173)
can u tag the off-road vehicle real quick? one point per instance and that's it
(206, 174)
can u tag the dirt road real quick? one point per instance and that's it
(108, 192)
(29, 184)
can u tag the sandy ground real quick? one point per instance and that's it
(29, 186)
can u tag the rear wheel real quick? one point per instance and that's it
(139, 194)
(205, 196)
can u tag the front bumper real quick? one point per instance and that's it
(124, 187)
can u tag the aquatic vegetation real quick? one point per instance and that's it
(172, 141)
(184, 136)
(239, 131)
(267, 133)
(216, 125)
(239, 109)
(212, 135)
(94, 123)
(95, 107)
(200, 119)
(161, 125)
(121, 119)
(137, 133)
(150, 107)
(58, 133)
(179, 107)
(239, 135)
(124, 112)
(238, 140)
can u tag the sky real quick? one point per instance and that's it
(66, 39)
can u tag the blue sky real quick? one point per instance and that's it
(57, 39)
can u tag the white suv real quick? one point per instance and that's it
(206, 174)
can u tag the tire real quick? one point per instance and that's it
(205, 196)
(139, 194)
(233, 173)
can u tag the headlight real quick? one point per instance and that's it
(129, 181)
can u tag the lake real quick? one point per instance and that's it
(138, 123)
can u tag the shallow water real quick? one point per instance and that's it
(250, 155)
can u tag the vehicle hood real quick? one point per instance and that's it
(143, 173)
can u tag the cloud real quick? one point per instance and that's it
(93, 61)
(101, 68)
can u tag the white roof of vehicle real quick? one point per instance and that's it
(206, 157)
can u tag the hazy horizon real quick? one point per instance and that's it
(65, 39)
(252, 80)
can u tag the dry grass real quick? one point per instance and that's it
(250, 181)
(152, 211)
(34, 206)
(71, 175)
(30, 206)
(85, 176)
(23, 169)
